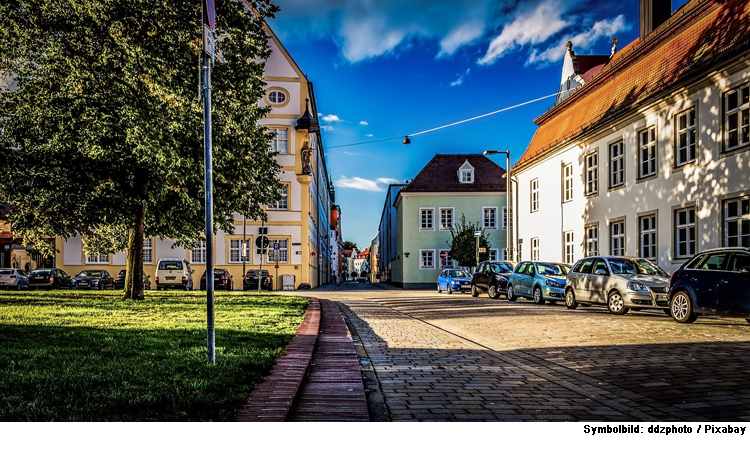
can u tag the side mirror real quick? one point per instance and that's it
(600, 272)
(745, 270)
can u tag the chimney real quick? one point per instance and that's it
(653, 14)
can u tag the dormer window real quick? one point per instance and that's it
(466, 173)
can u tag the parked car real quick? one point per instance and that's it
(622, 283)
(713, 282)
(120, 280)
(491, 277)
(48, 279)
(13, 279)
(174, 274)
(250, 281)
(222, 280)
(454, 280)
(93, 279)
(539, 281)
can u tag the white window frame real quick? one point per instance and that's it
(741, 110)
(467, 176)
(277, 101)
(688, 131)
(686, 226)
(277, 139)
(493, 217)
(591, 240)
(570, 248)
(647, 152)
(98, 259)
(492, 254)
(617, 238)
(426, 255)
(506, 218)
(534, 192)
(739, 218)
(535, 249)
(443, 224)
(647, 237)
(567, 183)
(283, 203)
(423, 226)
(449, 263)
(235, 251)
(592, 173)
(617, 164)
(148, 251)
(283, 250)
(199, 251)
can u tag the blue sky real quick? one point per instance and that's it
(390, 68)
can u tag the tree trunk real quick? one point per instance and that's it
(136, 230)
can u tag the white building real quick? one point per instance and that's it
(650, 157)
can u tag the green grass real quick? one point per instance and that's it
(72, 356)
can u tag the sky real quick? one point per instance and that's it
(389, 68)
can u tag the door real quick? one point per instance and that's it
(734, 287)
(704, 279)
(595, 283)
(528, 279)
(518, 277)
(578, 280)
(480, 276)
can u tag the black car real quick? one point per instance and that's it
(713, 282)
(120, 280)
(222, 280)
(48, 279)
(250, 281)
(491, 277)
(93, 279)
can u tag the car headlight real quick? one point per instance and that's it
(555, 284)
(633, 286)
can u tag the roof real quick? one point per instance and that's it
(441, 175)
(697, 37)
(364, 254)
(587, 62)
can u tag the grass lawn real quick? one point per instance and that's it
(92, 356)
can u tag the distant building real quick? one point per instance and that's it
(387, 234)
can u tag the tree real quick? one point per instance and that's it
(463, 243)
(349, 245)
(105, 131)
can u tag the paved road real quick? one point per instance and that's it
(454, 357)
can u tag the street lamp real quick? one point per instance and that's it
(508, 252)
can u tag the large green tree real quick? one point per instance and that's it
(464, 244)
(104, 135)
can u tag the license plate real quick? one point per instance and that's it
(39, 278)
(170, 278)
(84, 283)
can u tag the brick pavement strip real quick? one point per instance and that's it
(462, 358)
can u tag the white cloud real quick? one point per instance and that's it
(363, 123)
(350, 153)
(368, 135)
(330, 118)
(461, 35)
(458, 81)
(364, 184)
(581, 42)
(326, 128)
(530, 25)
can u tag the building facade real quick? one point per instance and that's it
(650, 156)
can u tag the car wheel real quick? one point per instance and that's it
(570, 299)
(449, 290)
(681, 308)
(438, 288)
(616, 304)
(474, 291)
(493, 292)
(511, 294)
(538, 299)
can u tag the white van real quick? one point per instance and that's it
(174, 274)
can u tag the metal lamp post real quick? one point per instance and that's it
(509, 250)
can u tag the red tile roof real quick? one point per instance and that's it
(697, 37)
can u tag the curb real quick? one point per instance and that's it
(273, 399)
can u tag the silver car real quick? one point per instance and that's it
(13, 279)
(620, 282)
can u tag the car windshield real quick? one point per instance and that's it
(552, 270)
(170, 265)
(502, 267)
(40, 272)
(458, 273)
(635, 267)
(90, 273)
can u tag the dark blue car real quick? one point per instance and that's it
(713, 282)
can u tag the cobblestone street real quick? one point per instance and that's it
(454, 357)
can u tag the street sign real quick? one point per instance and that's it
(477, 234)
(209, 18)
(261, 242)
(276, 246)
(482, 250)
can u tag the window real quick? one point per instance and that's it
(148, 251)
(684, 222)
(235, 251)
(446, 218)
(714, 261)
(98, 259)
(283, 252)
(616, 164)
(617, 238)
(467, 176)
(739, 260)
(685, 145)
(426, 221)
(198, 254)
(445, 258)
(592, 174)
(427, 259)
(277, 97)
(535, 194)
(569, 248)
(647, 237)
(737, 223)
(493, 254)
(737, 117)
(647, 152)
(520, 249)
(567, 183)
(506, 218)
(280, 141)
(283, 202)
(490, 217)
(535, 249)
(592, 240)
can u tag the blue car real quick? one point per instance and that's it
(539, 281)
(713, 282)
(454, 280)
